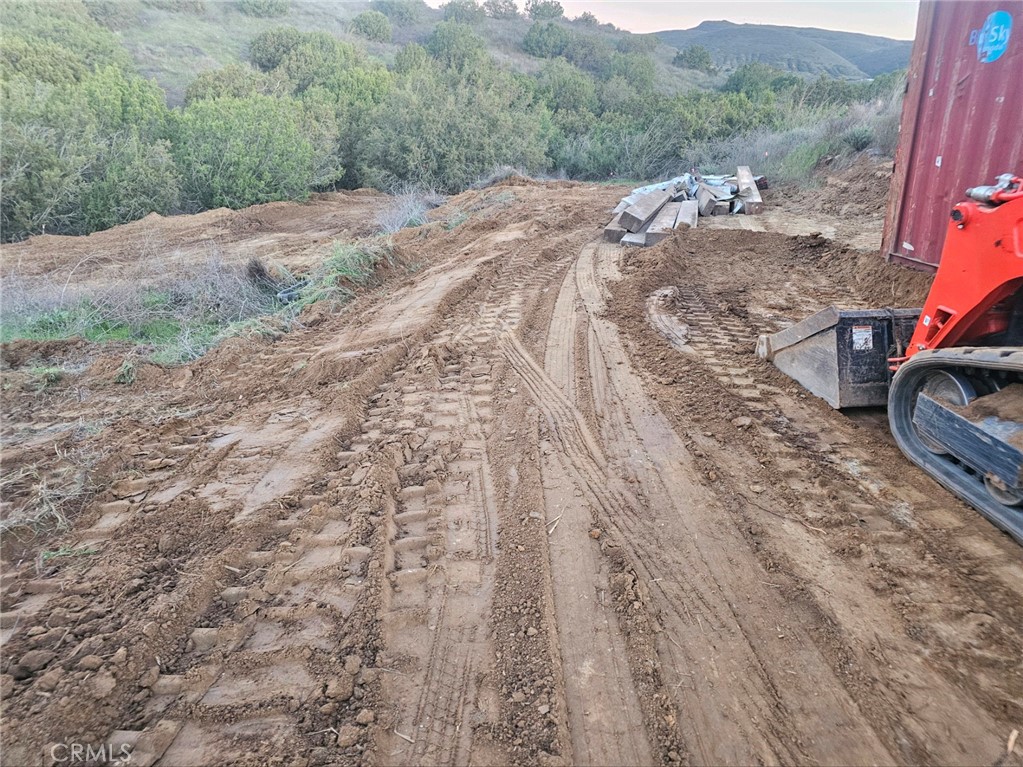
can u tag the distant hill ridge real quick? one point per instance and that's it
(795, 49)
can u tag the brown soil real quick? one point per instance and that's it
(534, 501)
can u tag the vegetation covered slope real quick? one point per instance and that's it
(794, 49)
(398, 95)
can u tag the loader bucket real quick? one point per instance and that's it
(841, 355)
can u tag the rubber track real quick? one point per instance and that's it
(947, 471)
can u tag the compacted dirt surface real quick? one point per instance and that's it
(531, 500)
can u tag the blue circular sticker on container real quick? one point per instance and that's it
(992, 39)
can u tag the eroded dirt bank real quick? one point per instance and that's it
(536, 502)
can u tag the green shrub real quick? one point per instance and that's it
(463, 11)
(39, 60)
(858, 138)
(67, 25)
(456, 46)
(630, 43)
(566, 88)
(637, 70)
(402, 13)
(694, 57)
(411, 56)
(235, 80)
(586, 19)
(544, 9)
(264, 9)
(268, 49)
(71, 156)
(236, 152)
(501, 9)
(590, 52)
(318, 59)
(440, 130)
(546, 40)
(373, 25)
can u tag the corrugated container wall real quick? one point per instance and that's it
(962, 120)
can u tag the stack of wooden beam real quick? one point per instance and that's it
(650, 214)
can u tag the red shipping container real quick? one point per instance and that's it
(962, 120)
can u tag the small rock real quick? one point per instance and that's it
(352, 664)
(545, 709)
(34, 660)
(366, 716)
(674, 757)
(129, 487)
(103, 684)
(742, 422)
(348, 736)
(90, 663)
(595, 533)
(328, 708)
(757, 488)
(120, 657)
(341, 688)
(518, 696)
(531, 632)
(6, 685)
(149, 678)
(48, 681)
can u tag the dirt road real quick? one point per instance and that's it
(536, 502)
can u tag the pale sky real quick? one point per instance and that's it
(887, 18)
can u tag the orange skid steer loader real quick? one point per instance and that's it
(951, 374)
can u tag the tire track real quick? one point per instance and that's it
(691, 572)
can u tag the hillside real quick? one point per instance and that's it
(796, 49)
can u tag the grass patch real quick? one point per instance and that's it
(349, 266)
(180, 320)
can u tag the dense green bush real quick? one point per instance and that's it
(501, 9)
(544, 9)
(546, 40)
(317, 59)
(39, 60)
(591, 53)
(235, 80)
(456, 45)
(568, 91)
(411, 56)
(373, 25)
(268, 49)
(694, 57)
(463, 11)
(444, 131)
(235, 152)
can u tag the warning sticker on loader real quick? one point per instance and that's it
(862, 338)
